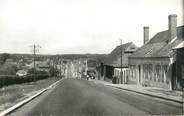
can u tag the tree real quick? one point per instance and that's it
(53, 71)
(3, 57)
(8, 69)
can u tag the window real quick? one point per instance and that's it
(150, 71)
(134, 72)
(146, 71)
(158, 72)
(155, 75)
(131, 70)
(164, 73)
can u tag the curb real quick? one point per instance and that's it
(181, 102)
(18, 105)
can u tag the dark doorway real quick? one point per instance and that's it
(173, 77)
(139, 66)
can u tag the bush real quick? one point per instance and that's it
(53, 71)
(12, 79)
(8, 69)
(115, 80)
(3, 57)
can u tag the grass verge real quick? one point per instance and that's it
(10, 95)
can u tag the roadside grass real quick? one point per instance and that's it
(10, 95)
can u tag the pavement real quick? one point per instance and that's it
(81, 97)
(175, 96)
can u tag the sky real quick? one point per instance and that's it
(81, 26)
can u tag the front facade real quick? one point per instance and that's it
(149, 71)
(178, 81)
(124, 71)
(152, 64)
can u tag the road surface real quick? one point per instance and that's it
(81, 97)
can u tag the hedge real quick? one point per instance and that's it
(6, 80)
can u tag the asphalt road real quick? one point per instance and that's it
(82, 97)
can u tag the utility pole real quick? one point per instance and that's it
(86, 66)
(34, 62)
(121, 62)
(35, 49)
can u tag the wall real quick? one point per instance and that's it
(149, 72)
(180, 69)
(125, 72)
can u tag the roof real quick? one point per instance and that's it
(9, 60)
(113, 59)
(40, 64)
(159, 45)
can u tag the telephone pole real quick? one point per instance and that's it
(121, 62)
(86, 66)
(35, 49)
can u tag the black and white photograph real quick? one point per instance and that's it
(91, 57)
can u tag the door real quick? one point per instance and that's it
(139, 66)
(173, 77)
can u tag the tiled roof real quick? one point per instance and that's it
(164, 52)
(148, 50)
(113, 58)
(159, 45)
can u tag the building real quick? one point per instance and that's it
(40, 66)
(152, 64)
(10, 61)
(179, 63)
(21, 73)
(91, 67)
(112, 65)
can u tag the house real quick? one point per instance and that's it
(10, 61)
(179, 56)
(152, 64)
(43, 66)
(21, 73)
(40, 66)
(112, 65)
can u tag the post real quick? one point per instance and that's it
(34, 50)
(34, 63)
(104, 75)
(86, 66)
(121, 63)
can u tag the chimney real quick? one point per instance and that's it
(146, 34)
(172, 26)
